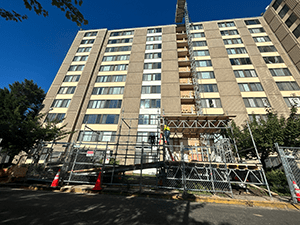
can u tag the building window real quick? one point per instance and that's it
(97, 136)
(296, 32)
(153, 55)
(245, 87)
(232, 51)
(252, 22)
(291, 20)
(257, 118)
(118, 67)
(211, 103)
(229, 32)
(149, 103)
(284, 11)
(57, 117)
(108, 90)
(66, 90)
(80, 58)
(151, 89)
(199, 43)
(116, 58)
(101, 119)
(122, 33)
(226, 24)
(256, 102)
(240, 61)
(292, 101)
(105, 104)
(280, 72)
(262, 39)
(244, 73)
(288, 86)
(232, 41)
(61, 103)
(148, 119)
(154, 38)
(71, 78)
(205, 75)
(273, 59)
(149, 66)
(276, 4)
(153, 46)
(90, 34)
(154, 30)
(198, 35)
(256, 30)
(87, 41)
(151, 77)
(113, 78)
(143, 137)
(76, 68)
(118, 49)
(197, 27)
(270, 48)
(208, 88)
(117, 41)
(203, 63)
(84, 49)
(201, 53)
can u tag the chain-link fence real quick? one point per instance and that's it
(290, 158)
(200, 169)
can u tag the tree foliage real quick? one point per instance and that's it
(20, 120)
(67, 6)
(284, 131)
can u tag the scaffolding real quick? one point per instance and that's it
(143, 160)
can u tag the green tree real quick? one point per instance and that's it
(67, 6)
(284, 131)
(20, 120)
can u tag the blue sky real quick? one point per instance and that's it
(35, 48)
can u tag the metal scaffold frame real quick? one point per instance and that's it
(145, 161)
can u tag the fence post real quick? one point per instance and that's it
(262, 169)
(183, 167)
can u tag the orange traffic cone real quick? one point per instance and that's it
(297, 191)
(98, 183)
(55, 180)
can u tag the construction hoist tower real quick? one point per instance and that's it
(182, 11)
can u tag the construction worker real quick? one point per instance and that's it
(167, 134)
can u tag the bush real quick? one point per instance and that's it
(277, 181)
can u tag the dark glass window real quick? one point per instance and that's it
(291, 20)
(284, 11)
(252, 22)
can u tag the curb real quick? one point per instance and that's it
(250, 203)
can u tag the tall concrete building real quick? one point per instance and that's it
(232, 67)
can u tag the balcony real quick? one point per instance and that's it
(187, 97)
(183, 51)
(182, 43)
(185, 72)
(184, 61)
(181, 35)
(188, 109)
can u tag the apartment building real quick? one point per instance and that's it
(241, 66)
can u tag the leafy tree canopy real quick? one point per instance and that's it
(284, 131)
(67, 6)
(20, 120)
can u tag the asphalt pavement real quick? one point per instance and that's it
(18, 206)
